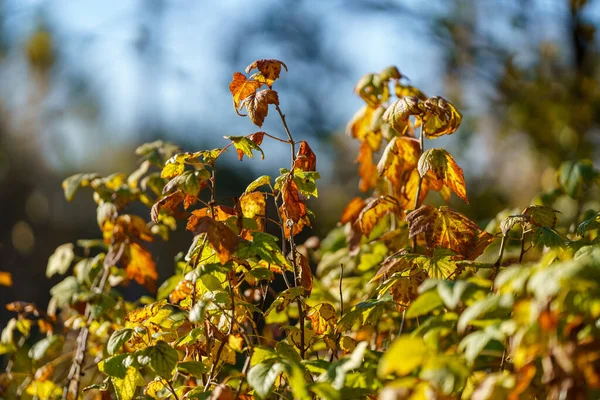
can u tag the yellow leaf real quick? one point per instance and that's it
(361, 127)
(321, 316)
(375, 210)
(440, 118)
(398, 113)
(444, 168)
(399, 158)
(221, 238)
(404, 356)
(253, 206)
(125, 387)
(444, 227)
(352, 210)
(367, 169)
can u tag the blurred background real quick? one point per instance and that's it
(83, 83)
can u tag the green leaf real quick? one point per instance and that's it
(161, 357)
(262, 376)
(60, 260)
(116, 340)
(588, 225)
(481, 308)
(72, 184)
(258, 182)
(440, 265)
(245, 145)
(573, 176)
(451, 293)
(547, 237)
(116, 366)
(404, 356)
(336, 374)
(64, 291)
(305, 180)
(424, 304)
(194, 368)
(167, 287)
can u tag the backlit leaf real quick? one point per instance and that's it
(126, 387)
(352, 210)
(404, 356)
(372, 89)
(240, 88)
(444, 168)
(140, 266)
(361, 127)
(262, 376)
(169, 203)
(254, 206)
(399, 158)
(398, 113)
(293, 207)
(221, 238)
(440, 117)
(376, 209)
(306, 160)
(367, 170)
(245, 146)
(444, 227)
(258, 182)
(321, 316)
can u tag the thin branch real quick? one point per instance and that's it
(278, 139)
(289, 134)
(416, 205)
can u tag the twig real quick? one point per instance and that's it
(289, 135)
(416, 205)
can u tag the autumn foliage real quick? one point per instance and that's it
(403, 300)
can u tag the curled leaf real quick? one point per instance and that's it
(269, 70)
(376, 209)
(240, 88)
(257, 105)
(440, 117)
(306, 160)
(398, 113)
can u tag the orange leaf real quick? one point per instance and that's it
(444, 227)
(444, 168)
(376, 209)
(306, 277)
(240, 87)
(222, 213)
(5, 279)
(352, 210)
(182, 291)
(257, 105)
(140, 266)
(306, 160)
(293, 206)
(221, 238)
(297, 227)
(269, 70)
(169, 203)
(367, 170)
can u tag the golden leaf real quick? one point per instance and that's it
(367, 169)
(399, 158)
(352, 210)
(321, 316)
(444, 227)
(221, 213)
(376, 209)
(253, 205)
(240, 88)
(445, 169)
(361, 127)
(140, 266)
(440, 117)
(398, 113)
